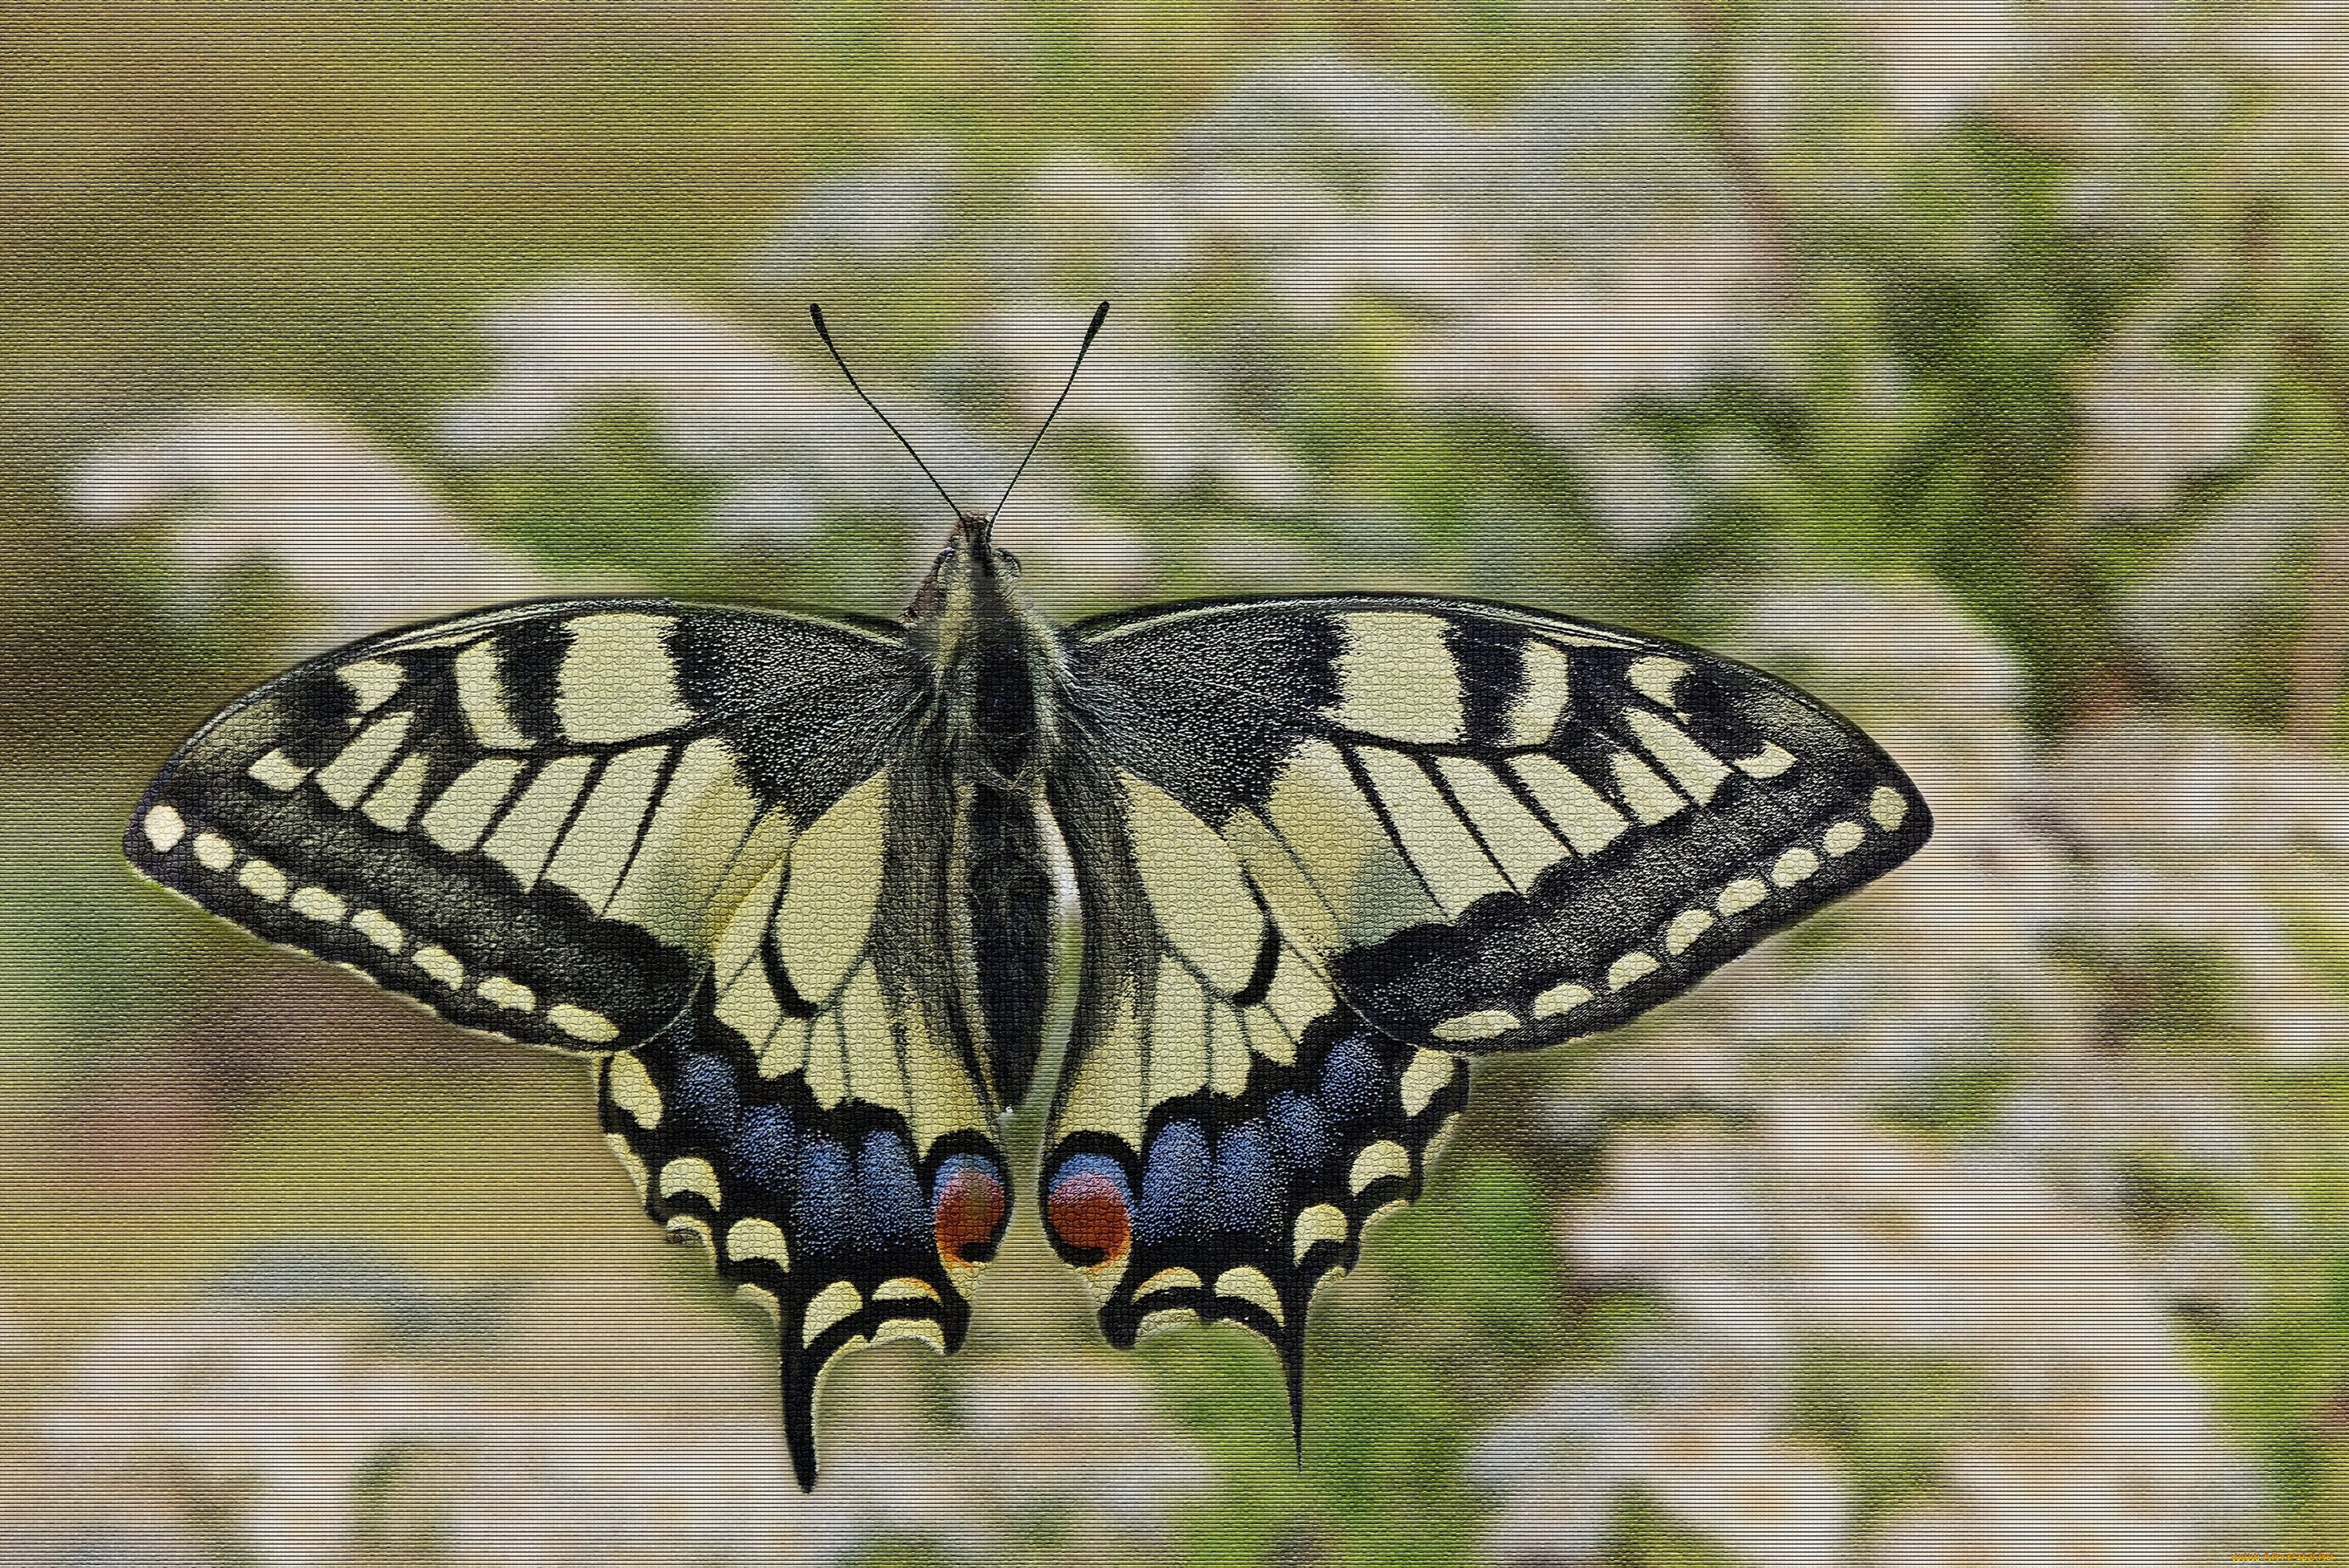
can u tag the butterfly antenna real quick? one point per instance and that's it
(1100, 315)
(815, 313)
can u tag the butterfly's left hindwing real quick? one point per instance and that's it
(841, 1171)
(823, 1118)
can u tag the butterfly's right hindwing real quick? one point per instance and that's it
(534, 819)
(1225, 1125)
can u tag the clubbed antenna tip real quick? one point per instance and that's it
(816, 315)
(1100, 315)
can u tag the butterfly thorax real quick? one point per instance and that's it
(997, 665)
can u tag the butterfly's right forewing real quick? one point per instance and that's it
(1492, 827)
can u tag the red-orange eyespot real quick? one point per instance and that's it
(966, 1209)
(1088, 1210)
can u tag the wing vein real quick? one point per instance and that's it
(661, 778)
(596, 770)
(1364, 787)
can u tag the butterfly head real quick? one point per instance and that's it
(972, 548)
(970, 579)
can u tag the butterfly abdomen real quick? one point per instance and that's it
(1003, 885)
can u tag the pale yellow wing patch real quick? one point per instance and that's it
(1226, 989)
(822, 988)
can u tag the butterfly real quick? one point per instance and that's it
(788, 883)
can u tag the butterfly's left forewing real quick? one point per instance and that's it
(696, 843)
(532, 820)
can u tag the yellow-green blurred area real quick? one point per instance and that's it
(1982, 367)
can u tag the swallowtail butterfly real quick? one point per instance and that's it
(789, 883)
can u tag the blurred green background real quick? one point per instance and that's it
(1985, 367)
